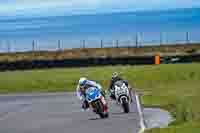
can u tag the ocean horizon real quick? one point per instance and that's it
(17, 34)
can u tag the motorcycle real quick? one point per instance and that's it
(122, 95)
(97, 102)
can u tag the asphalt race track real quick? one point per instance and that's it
(61, 113)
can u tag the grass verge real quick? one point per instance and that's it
(174, 87)
(172, 49)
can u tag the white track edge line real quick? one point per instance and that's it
(142, 125)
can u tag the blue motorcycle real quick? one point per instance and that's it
(97, 102)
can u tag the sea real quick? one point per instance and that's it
(100, 30)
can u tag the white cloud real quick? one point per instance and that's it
(56, 7)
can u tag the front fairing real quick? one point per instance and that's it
(92, 94)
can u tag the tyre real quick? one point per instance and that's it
(101, 115)
(125, 106)
(99, 109)
(106, 115)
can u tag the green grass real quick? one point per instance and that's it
(189, 127)
(173, 87)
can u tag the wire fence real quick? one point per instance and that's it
(137, 40)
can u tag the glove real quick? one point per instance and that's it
(99, 87)
(103, 93)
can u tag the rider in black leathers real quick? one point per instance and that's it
(115, 78)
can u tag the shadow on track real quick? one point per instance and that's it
(93, 119)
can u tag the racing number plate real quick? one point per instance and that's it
(120, 91)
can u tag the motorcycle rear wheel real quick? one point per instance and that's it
(125, 106)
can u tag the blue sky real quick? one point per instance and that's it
(60, 7)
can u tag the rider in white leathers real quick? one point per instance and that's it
(82, 86)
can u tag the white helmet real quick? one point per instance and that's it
(82, 81)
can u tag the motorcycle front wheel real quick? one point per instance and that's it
(99, 109)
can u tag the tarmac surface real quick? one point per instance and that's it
(61, 113)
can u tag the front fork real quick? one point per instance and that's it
(105, 105)
(129, 98)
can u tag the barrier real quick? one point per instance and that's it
(136, 60)
(22, 65)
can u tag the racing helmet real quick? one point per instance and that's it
(82, 81)
(115, 75)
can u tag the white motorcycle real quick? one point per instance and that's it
(122, 95)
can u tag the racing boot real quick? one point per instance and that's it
(85, 105)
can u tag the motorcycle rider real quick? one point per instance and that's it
(82, 86)
(111, 89)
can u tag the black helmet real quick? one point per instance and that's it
(115, 75)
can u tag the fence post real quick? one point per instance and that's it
(33, 45)
(101, 43)
(136, 40)
(140, 41)
(59, 47)
(83, 43)
(8, 46)
(161, 38)
(187, 38)
(128, 48)
(117, 43)
(113, 43)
